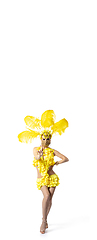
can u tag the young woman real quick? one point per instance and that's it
(47, 180)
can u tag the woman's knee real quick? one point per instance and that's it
(45, 192)
(52, 190)
(47, 196)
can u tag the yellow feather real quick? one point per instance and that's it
(47, 118)
(32, 122)
(27, 136)
(59, 127)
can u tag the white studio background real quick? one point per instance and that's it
(48, 60)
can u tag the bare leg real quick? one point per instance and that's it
(49, 206)
(45, 204)
(51, 190)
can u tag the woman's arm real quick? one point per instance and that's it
(37, 154)
(64, 158)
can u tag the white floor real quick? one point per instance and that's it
(75, 228)
(22, 221)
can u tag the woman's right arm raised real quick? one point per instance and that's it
(37, 154)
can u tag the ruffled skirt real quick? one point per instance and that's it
(48, 180)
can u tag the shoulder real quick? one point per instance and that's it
(35, 149)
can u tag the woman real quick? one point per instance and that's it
(47, 180)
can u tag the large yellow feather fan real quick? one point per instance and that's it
(48, 119)
(59, 127)
(27, 136)
(32, 122)
(47, 122)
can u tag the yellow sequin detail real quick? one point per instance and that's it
(45, 161)
(43, 165)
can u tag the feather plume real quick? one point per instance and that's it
(47, 118)
(59, 127)
(27, 136)
(32, 122)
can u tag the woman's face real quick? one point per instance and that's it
(45, 141)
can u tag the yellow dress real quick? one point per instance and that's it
(43, 165)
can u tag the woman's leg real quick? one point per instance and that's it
(45, 204)
(51, 190)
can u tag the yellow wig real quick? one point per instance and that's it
(47, 123)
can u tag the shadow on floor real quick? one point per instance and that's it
(70, 223)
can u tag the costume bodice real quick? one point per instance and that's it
(46, 160)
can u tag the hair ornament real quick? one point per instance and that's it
(44, 126)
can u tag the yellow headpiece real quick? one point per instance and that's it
(45, 126)
(46, 134)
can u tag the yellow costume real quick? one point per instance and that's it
(43, 165)
(45, 124)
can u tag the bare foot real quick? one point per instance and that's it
(43, 227)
